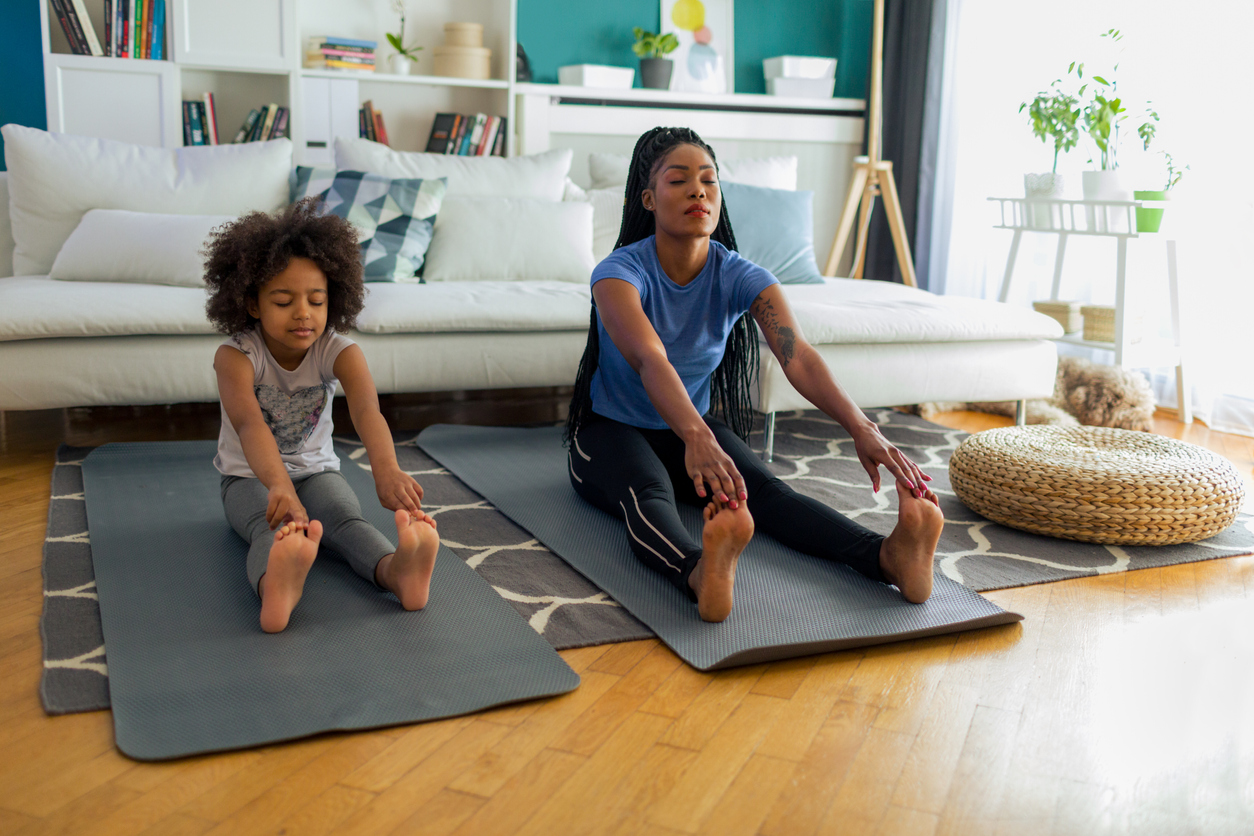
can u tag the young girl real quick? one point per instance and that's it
(670, 336)
(286, 288)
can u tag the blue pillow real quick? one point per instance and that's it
(395, 218)
(774, 229)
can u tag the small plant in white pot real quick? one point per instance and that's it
(655, 71)
(405, 55)
(1055, 117)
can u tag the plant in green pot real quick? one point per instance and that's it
(655, 71)
(1149, 219)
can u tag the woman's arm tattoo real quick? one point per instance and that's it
(764, 311)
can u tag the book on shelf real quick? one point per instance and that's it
(210, 114)
(132, 28)
(335, 53)
(108, 33)
(467, 135)
(262, 123)
(370, 123)
(156, 38)
(83, 25)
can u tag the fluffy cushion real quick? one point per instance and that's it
(6, 229)
(511, 239)
(394, 217)
(540, 176)
(54, 179)
(114, 245)
(606, 170)
(775, 229)
(607, 215)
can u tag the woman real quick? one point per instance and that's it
(670, 336)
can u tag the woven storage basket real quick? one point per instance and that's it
(1065, 312)
(1099, 324)
(1097, 484)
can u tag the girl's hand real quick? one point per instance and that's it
(874, 450)
(284, 507)
(398, 490)
(707, 464)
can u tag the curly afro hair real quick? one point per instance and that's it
(243, 255)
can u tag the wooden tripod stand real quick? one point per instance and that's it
(872, 177)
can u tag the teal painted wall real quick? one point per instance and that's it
(21, 69)
(560, 32)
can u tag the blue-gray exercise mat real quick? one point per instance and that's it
(190, 670)
(787, 604)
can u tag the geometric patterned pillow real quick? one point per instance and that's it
(394, 218)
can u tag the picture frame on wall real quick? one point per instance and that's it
(705, 59)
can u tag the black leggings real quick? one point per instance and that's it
(636, 474)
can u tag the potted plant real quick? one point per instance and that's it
(1102, 116)
(1149, 219)
(655, 71)
(405, 55)
(1054, 116)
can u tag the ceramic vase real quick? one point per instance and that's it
(400, 65)
(655, 73)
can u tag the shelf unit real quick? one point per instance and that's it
(244, 67)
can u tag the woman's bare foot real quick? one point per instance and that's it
(291, 557)
(407, 572)
(907, 554)
(726, 534)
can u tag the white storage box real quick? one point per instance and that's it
(596, 75)
(806, 88)
(799, 66)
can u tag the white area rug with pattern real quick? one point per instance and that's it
(813, 454)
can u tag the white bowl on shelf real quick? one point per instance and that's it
(596, 75)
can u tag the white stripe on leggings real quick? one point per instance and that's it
(579, 450)
(571, 462)
(627, 520)
(650, 525)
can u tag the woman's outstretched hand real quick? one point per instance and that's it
(707, 464)
(398, 490)
(874, 450)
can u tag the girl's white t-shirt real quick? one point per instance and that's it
(295, 404)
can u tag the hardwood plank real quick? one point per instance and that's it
(863, 799)
(442, 814)
(748, 799)
(404, 753)
(579, 658)
(518, 748)
(782, 679)
(716, 702)
(905, 702)
(67, 784)
(902, 821)
(630, 802)
(975, 792)
(522, 795)
(809, 706)
(676, 694)
(13, 822)
(619, 658)
(179, 825)
(822, 772)
(82, 813)
(933, 757)
(242, 786)
(326, 812)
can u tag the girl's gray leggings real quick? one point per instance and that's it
(328, 499)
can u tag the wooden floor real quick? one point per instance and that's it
(1121, 704)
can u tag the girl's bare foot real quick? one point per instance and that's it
(291, 556)
(407, 572)
(907, 554)
(726, 534)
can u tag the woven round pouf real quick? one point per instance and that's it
(1097, 484)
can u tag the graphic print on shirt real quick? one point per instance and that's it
(293, 418)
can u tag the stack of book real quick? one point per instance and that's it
(268, 122)
(132, 28)
(370, 124)
(324, 52)
(200, 121)
(468, 135)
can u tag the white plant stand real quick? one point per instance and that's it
(1110, 219)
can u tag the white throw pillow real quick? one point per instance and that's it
(605, 170)
(510, 239)
(54, 179)
(607, 219)
(113, 245)
(539, 176)
(6, 229)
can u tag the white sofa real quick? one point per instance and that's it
(72, 343)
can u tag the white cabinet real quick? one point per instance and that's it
(235, 34)
(113, 98)
(330, 110)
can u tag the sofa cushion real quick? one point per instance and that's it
(114, 245)
(476, 306)
(6, 229)
(511, 239)
(608, 170)
(541, 176)
(394, 217)
(54, 179)
(774, 229)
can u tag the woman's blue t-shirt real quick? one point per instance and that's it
(693, 322)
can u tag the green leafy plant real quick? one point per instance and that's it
(649, 45)
(397, 39)
(1054, 116)
(1103, 114)
(1173, 174)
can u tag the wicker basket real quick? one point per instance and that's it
(1067, 313)
(1099, 324)
(1097, 484)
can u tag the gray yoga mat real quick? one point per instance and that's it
(787, 603)
(190, 670)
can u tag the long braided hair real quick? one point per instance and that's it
(730, 386)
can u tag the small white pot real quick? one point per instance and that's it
(1048, 184)
(400, 64)
(1105, 185)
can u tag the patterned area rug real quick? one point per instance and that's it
(813, 454)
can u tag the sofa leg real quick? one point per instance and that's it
(768, 452)
(1021, 413)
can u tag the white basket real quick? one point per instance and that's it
(799, 66)
(596, 75)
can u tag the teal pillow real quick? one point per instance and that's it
(394, 218)
(774, 229)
